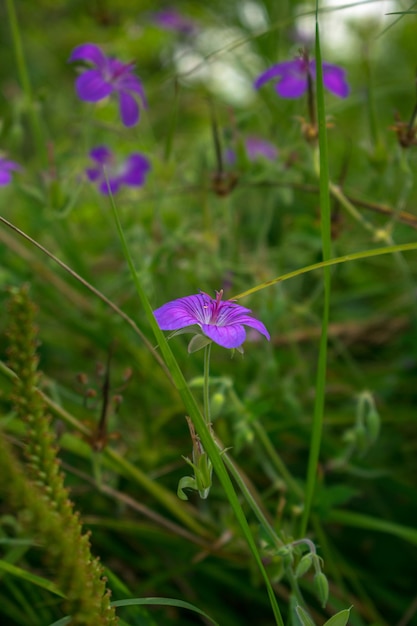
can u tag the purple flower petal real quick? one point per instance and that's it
(91, 87)
(292, 78)
(222, 322)
(334, 79)
(171, 19)
(101, 154)
(292, 86)
(90, 53)
(108, 173)
(109, 76)
(94, 174)
(114, 185)
(132, 83)
(274, 72)
(129, 109)
(226, 336)
(6, 169)
(136, 168)
(179, 313)
(257, 147)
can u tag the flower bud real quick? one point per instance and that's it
(322, 588)
(304, 565)
(373, 424)
(286, 555)
(216, 404)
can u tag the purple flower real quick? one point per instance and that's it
(109, 76)
(256, 148)
(292, 78)
(171, 19)
(222, 322)
(6, 169)
(107, 173)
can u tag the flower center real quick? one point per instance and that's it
(212, 307)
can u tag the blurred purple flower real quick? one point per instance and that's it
(222, 322)
(6, 169)
(292, 78)
(109, 76)
(107, 173)
(256, 148)
(171, 19)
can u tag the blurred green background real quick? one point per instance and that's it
(185, 237)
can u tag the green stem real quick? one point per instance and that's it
(25, 81)
(197, 418)
(251, 500)
(263, 438)
(207, 411)
(326, 248)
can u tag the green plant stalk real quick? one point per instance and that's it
(79, 574)
(121, 464)
(326, 249)
(174, 122)
(24, 80)
(207, 410)
(195, 414)
(263, 438)
(355, 256)
(367, 522)
(259, 514)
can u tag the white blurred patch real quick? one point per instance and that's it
(216, 60)
(252, 15)
(340, 28)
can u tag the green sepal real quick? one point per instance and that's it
(198, 342)
(340, 619)
(304, 565)
(186, 482)
(303, 616)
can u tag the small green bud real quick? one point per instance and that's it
(361, 438)
(304, 565)
(216, 404)
(373, 424)
(322, 588)
(286, 554)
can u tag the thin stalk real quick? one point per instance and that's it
(25, 80)
(316, 434)
(207, 410)
(274, 457)
(197, 418)
(90, 287)
(250, 499)
(356, 256)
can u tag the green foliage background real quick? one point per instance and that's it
(183, 237)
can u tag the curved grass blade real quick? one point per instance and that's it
(163, 602)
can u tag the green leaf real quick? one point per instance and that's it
(62, 622)
(18, 572)
(340, 619)
(163, 602)
(303, 616)
(186, 482)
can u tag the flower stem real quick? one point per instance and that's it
(251, 500)
(326, 251)
(24, 79)
(207, 411)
